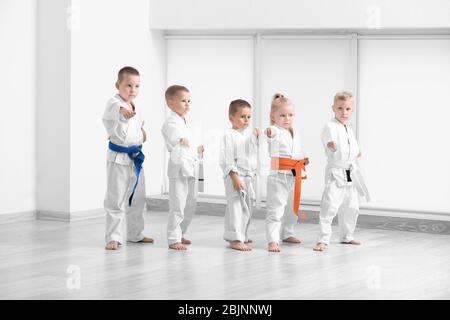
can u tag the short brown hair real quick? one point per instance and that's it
(343, 96)
(173, 90)
(127, 70)
(235, 105)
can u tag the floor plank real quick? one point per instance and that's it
(35, 257)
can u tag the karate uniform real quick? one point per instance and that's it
(182, 171)
(343, 182)
(121, 176)
(238, 153)
(280, 219)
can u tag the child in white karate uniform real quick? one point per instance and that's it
(284, 142)
(239, 160)
(125, 193)
(343, 180)
(182, 167)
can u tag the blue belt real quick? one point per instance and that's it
(135, 154)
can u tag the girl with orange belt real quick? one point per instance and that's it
(284, 180)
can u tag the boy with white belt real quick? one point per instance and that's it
(239, 160)
(343, 180)
(183, 166)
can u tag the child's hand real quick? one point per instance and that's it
(306, 161)
(256, 132)
(237, 183)
(269, 132)
(145, 134)
(184, 142)
(200, 149)
(332, 145)
(127, 114)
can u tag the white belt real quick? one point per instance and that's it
(201, 174)
(249, 190)
(180, 155)
(355, 175)
(247, 194)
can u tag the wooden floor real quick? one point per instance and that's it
(38, 258)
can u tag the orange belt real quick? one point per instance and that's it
(297, 165)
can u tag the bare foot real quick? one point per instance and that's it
(237, 245)
(249, 241)
(185, 241)
(273, 247)
(112, 245)
(292, 240)
(355, 242)
(147, 240)
(319, 246)
(177, 246)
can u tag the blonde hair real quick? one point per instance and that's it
(278, 100)
(343, 96)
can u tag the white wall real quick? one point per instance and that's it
(309, 72)
(107, 35)
(295, 14)
(215, 73)
(53, 107)
(62, 167)
(401, 85)
(155, 168)
(404, 112)
(82, 45)
(18, 117)
(368, 16)
(54, 140)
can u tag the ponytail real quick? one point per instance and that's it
(278, 100)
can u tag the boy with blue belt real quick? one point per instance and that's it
(125, 193)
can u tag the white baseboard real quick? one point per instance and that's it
(87, 214)
(53, 215)
(314, 206)
(400, 220)
(17, 217)
(70, 216)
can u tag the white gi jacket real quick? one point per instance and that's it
(344, 157)
(239, 152)
(182, 158)
(121, 131)
(283, 145)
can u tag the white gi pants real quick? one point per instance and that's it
(280, 213)
(182, 205)
(120, 183)
(239, 210)
(344, 202)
